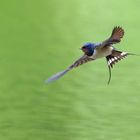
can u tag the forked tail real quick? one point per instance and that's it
(114, 58)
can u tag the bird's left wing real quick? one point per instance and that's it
(80, 61)
(116, 36)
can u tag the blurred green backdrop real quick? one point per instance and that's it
(41, 37)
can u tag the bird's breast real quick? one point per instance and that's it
(102, 52)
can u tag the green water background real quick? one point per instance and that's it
(41, 37)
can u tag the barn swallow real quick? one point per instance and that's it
(93, 51)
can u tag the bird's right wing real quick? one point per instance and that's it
(117, 34)
(80, 61)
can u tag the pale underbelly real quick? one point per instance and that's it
(102, 52)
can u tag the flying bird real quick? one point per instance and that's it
(93, 51)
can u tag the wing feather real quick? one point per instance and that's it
(116, 36)
(80, 61)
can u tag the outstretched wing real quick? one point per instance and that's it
(115, 37)
(80, 61)
(114, 58)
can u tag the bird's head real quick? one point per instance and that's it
(88, 49)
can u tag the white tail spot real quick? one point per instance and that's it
(123, 53)
(113, 59)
